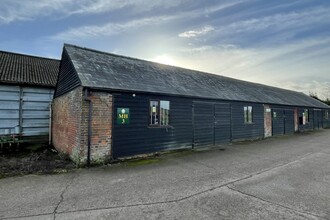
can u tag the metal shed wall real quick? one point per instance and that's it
(26, 108)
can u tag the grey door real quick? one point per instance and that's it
(317, 119)
(278, 121)
(211, 123)
(222, 128)
(288, 121)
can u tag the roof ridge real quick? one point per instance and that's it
(29, 55)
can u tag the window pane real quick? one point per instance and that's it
(250, 114)
(245, 114)
(154, 114)
(164, 112)
(306, 114)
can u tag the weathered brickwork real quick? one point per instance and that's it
(66, 116)
(101, 126)
(70, 125)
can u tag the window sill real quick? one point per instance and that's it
(160, 126)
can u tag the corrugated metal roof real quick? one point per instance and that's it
(102, 70)
(29, 70)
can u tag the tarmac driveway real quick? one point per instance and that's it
(277, 178)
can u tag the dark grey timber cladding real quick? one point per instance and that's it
(203, 113)
(288, 121)
(138, 137)
(326, 121)
(283, 123)
(211, 123)
(243, 131)
(222, 130)
(317, 119)
(278, 123)
(67, 78)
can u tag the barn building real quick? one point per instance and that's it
(109, 106)
(27, 85)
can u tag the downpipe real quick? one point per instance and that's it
(89, 126)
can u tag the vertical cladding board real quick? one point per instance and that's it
(222, 114)
(245, 131)
(278, 124)
(138, 137)
(326, 119)
(203, 123)
(289, 121)
(317, 120)
(67, 78)
(9, 108)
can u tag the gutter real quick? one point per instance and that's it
(90, 108)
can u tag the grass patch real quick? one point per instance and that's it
(141, 162)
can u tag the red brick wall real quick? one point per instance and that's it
(267, 121)
(66, 118)
(101, 126)
(70, 125)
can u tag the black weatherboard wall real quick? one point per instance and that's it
(138, 137)
(193, 123)
(282, 120)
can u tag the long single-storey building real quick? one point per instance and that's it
(109, 106)
(26, 91)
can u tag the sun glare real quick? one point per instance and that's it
(164, 59)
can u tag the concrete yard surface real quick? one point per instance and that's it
(278, 178)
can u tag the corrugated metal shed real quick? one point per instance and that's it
(24, 110)
(26, 91)
(112, 72)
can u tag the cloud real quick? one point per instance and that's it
(287, 23)
(111, 28)
(302, 66)
(108, 29)
(197, 32)
(15, 10)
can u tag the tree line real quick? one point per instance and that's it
(314, 95)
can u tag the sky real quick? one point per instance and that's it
(282, 43)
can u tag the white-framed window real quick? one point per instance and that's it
(248, 114)
(326, 114)
(306, 116)
(159, 112)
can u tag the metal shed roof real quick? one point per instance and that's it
(102, 70)
(29, 70)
